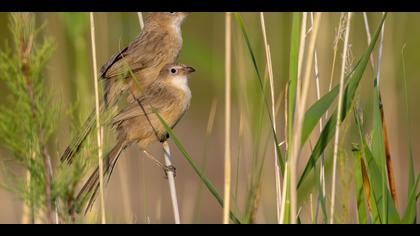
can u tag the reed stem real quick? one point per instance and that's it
(301, 97)
(99, 130)
(338, 124)
(171, 180)
(270, 75)
(228, 167)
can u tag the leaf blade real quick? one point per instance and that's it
(212, 189)
(329, 129)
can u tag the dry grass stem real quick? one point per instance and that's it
(228, 164)
(171, 180)
(273, 110)
(98, 125)
(338, 124)
(321, 126)
(301, 99)
(141, 21)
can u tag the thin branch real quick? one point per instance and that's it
(98, 125)
(338, 124)
(227, 168)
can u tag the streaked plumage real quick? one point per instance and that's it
(169, 95)
(157, 45)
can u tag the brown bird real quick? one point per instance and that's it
(170, 96)
(158, 44)
(135, 67)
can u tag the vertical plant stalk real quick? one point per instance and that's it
(27, 216)
(302, 46)
(286, 167)
(52, 217)
(284, 190)
(24, 54)
(227, 164)
(389, 165)
(141, 21)
(369, 37)
(335, 50)
(321, 126)
(25, 51)
(98, 125)
(125, 190)
(171, 180)
(270, 75)
(289, 106)
(301, 97)
(168, 162)
(338, 124)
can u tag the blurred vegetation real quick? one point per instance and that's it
(25, 123)
(28, 121)
(61, 74)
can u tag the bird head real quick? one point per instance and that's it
(174, 71)
(177, 75)
(167, 18)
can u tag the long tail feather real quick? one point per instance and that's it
(90, 188)
(78, 140)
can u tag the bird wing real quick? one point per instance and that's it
(138, 55)
(117, 56)
(155, 99)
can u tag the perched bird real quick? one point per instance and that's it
(135, 67)
(158, 44)
(169, 96)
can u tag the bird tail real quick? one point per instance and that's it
(91, 186)
(79, 139)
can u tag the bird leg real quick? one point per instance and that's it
(165, 168)
(164, 138)
(170, 168)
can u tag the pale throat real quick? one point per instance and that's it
(181, 82)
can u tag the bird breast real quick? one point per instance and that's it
(180, 83)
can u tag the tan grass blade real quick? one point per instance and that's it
(228, 167)
(98, 125)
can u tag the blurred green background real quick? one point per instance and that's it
(138, 192)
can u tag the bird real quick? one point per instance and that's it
(135, 67)
(169, 96)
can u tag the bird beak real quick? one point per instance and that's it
(189, 70)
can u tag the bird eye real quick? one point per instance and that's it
(173, 71)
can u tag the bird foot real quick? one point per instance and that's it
(164, 138)
(169, 168)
